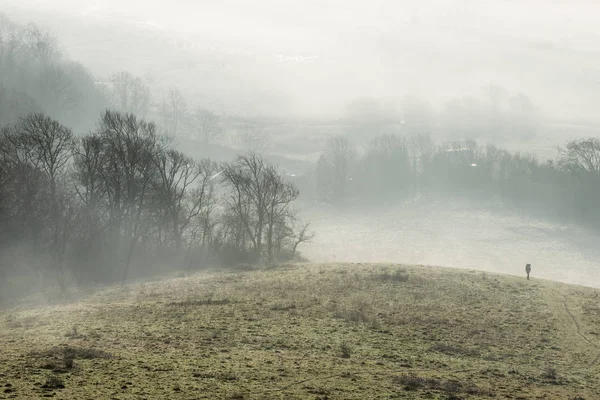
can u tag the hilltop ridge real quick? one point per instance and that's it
(351, 331)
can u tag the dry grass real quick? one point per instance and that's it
(311, 331)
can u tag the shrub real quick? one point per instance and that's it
(414, 382)
(453, 350)
(53, 382)
(345, 350)
(399, 275)
(550, 373)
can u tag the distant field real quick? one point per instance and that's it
(347, 331)
(456, 232)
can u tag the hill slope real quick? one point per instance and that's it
(311, 331)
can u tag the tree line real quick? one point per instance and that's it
(393, 166)
(120, 201)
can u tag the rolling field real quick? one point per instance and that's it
(317, 331)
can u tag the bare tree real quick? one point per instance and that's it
(421, 148)
(89, 157)
(38, 150)
(38, 78)
(183, 188)
(203, 195)
(206, 125)
(41, 44)
(292, 233)
(130, 94)
(303, 235)
(5, 167)
(14, 104)
(581, 155)
(88, 183)
(259, 199)
(280, 194)
(130, 146)
(50, 144)
(57, 91)
(385, 167)
(339, 153)
(174, 109)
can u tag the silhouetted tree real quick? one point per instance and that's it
(36, 77)
(206, 125)
(182, 189)
(129, 94)
(581, 155)
(385, 168)
(258, 200)
(339, 153)
(130, 146)
(174, 110)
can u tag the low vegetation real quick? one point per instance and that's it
(310, 331)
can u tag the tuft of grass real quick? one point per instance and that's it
(69, 361)
(454, 350)
(53, 382)
(68, 354)
(283, 307)
(413, 382)
(73, 333)
(84, 353)
(200, 302)
(551, 374)
(358, 312)
(51, 366)
(345, 350)
(244, 267)
(398, 275)
(224, 376)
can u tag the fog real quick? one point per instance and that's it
(301, 59)
(459, 233)
(454, 133)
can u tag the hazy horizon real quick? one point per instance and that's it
(310, 59)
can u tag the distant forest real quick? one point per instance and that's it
(392, 167)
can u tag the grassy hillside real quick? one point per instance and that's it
(310, 331)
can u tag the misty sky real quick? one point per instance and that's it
(341, 49)
(305, 21)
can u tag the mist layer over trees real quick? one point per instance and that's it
(36, 77)
(394, 167)
(120, 201)
(95, 187)
(96, 207)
